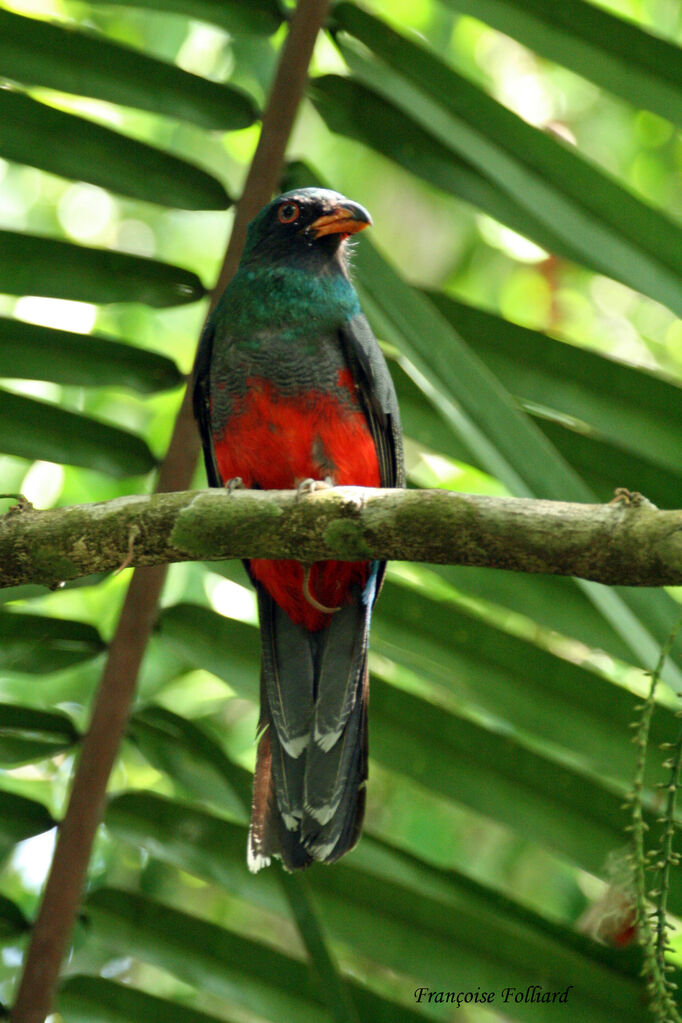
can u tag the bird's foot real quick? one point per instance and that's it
(630, 498)
(23, 504)
(310, 486)
(313, 601)
(236, 483)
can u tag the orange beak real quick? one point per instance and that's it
(347, 219)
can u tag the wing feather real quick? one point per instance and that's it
(375, 386)
(201, 401)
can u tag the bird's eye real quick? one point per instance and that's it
(288, 213)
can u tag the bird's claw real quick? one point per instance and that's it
(236, 483)
(630, 499)
(313, 601)
(310, 486)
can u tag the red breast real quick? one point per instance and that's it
(275, 441)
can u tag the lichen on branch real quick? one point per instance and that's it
(626, 543)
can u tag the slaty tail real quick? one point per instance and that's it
(311, 769)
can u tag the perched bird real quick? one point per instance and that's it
(291, 388)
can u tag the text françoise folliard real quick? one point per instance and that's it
(532, 993)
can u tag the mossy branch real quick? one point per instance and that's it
(628, 542)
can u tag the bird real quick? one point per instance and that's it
(291, 391)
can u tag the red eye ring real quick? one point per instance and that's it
(288, 213)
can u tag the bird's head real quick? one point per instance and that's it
(307, 225)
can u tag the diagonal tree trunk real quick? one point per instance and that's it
(64, 886)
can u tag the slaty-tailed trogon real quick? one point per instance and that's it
(291, 386)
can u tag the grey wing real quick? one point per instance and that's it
(201, 401)
(375, 386)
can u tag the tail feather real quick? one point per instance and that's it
(329, 841)
(261, 845)
(288, 777)
(335, 698)
(309, 790)
(288, 673)
(268, 834)
(328, 770)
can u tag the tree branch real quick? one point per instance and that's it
(627, 543)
